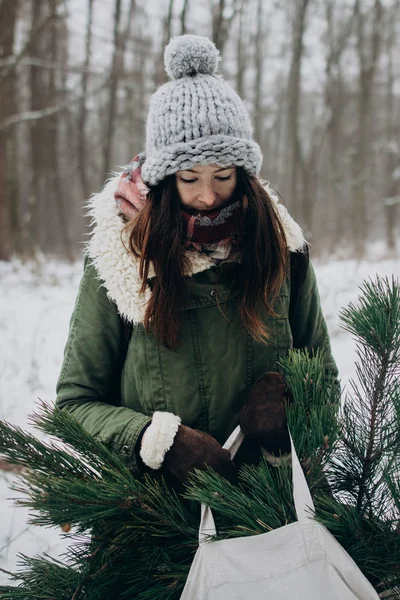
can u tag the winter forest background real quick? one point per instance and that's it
(321, 79)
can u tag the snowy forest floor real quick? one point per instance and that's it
(35, 307)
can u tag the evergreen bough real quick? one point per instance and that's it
(134, 537)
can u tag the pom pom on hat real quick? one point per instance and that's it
(197, 118)
(188, 55)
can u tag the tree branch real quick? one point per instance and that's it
(25, 48)
(32, 115)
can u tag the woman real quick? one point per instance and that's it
(189, 295)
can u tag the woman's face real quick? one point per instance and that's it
(206, 187)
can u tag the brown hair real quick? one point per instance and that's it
(155, 236)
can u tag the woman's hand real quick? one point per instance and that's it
(193, 449)
(179, 449)
(263, 417)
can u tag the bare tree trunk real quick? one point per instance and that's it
(392, 184)
(136, 86)
(294, 104)
(82, 161)
(218, 22)
(222, 21)
(240, 52)
(160, 75)
(49, 220)
(259, 69)
(9, 224)
(278, 142)
(131, 53)
(309, 177)
(168, 24)
(368, 58)
(60, 238)
(34, 34)
(337, 35)
(183, 17)
(114, 79)
(38, 100)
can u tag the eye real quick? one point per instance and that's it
(224, 178)
(188, 180)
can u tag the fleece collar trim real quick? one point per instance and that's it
(118, 270)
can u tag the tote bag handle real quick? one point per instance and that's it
(303, 502)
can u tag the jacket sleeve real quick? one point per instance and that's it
(308, 324)
(89, 382)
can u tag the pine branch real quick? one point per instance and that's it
(370, 416)
(373, 543)
(312, 415)
(261, 502)
(27, 451)
(60, 580)
(134, 537)
(61, 424)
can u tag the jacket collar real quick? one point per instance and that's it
(119, 270)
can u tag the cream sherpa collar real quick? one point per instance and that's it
(119, 270)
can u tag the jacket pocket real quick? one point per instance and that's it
(283, 331)
(142, 386)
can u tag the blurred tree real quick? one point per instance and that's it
(9, 224)
(137, 83)
(184, 17)
(223, 14)
(258, 116)
(241, 48)
(115, 73)
(58, 233)
(130, 111)
(339, 28)
(47, 226)
(61, 110)
(159, 73)
(368, 49)
(294, 94)
(37, 132)
(392, 183)
(82, 112)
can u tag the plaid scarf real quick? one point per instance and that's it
(217, 232)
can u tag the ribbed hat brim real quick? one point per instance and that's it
(221, 150)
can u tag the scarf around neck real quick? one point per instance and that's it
(217, 232)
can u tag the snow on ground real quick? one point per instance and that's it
(36, 303)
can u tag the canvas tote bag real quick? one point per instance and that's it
(300, 561)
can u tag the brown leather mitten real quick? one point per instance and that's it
(263, 417)
(193, 449)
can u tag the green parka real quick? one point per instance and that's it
(112, 385)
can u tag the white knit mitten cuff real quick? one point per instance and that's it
(158, 438)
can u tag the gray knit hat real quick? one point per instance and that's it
(197, 118)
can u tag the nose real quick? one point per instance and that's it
(208, 197)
